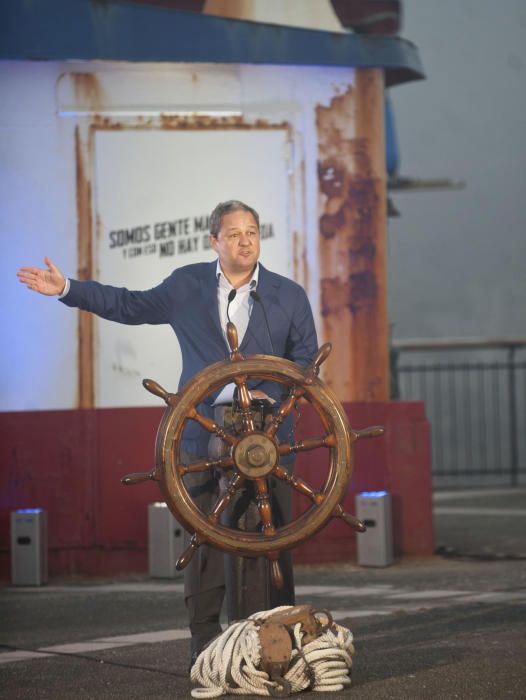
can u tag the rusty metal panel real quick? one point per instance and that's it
(352, 223)
(337, 248)
(85, 386)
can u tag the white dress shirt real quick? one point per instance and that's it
(239, 312)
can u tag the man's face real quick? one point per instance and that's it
(237, 243)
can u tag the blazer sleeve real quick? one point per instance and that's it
(302, 342)
(120, 304)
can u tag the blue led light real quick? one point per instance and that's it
(29, 510)
(372, 494)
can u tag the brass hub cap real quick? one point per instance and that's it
(255, 455)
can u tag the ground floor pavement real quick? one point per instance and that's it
(450, 626)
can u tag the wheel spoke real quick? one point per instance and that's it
(233, 341)
(189, 552)
(351, 520)
(139, 477)
(223, 501)
(313, 369)
(308, 444)
(245, 405)
(298, 484)
(284, 410)
(195, 467)
(212, 427)
(264, 507)
(276, 573)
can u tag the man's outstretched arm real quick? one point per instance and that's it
(112, 303)
(50, 282)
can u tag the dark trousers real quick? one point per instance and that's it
(246, 579)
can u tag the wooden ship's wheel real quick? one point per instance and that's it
(254, 455)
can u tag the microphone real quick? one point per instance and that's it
(231, 297)
(257, 298)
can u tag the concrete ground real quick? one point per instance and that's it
(450, 626)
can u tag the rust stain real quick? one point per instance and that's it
(361, 156)
(107, 124)
(303, 200)
(85, 386)
(351, 205)
(296, 242)
(361, 246)
(362, 197)
(98, 227)
(362, 288)
(306, 270)
(334, 295)
(103, 123)
(88, 90)
(208, 121)
(338, 295)
(190, 122)
(330, 224)
(336, 122)
(331, 177)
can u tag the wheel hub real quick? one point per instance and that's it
(255, 455)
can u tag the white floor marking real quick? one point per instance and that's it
(344, 591)
(101, 644)
(151, 637)
(84, 647)
(339, 615)
(475, 493)
(452, 510)
(426, 595)
(495, 597)
(142, 586)
(8, 657)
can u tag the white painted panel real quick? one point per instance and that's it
(145, 89)
(147, 180)
(38, 348)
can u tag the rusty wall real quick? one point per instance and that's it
(254, 98)
(352, 223)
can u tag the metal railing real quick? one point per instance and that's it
(475, 396)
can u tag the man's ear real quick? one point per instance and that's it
(213, 241)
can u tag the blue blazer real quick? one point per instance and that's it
(187, 300)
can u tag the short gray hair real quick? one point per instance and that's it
(216, 217)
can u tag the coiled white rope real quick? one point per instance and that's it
(230, 663)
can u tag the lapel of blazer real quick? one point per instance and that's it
(257, 327)
(209, 297)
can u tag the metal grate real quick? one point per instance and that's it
(476, 406)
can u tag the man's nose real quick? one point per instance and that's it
(245, 239)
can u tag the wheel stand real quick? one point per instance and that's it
(249, 588)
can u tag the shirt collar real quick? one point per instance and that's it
(221, 277)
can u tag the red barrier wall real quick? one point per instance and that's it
(70, 463)
(399, 462)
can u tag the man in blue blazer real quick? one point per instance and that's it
(273, 316)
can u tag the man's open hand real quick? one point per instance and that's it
(50, 282)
